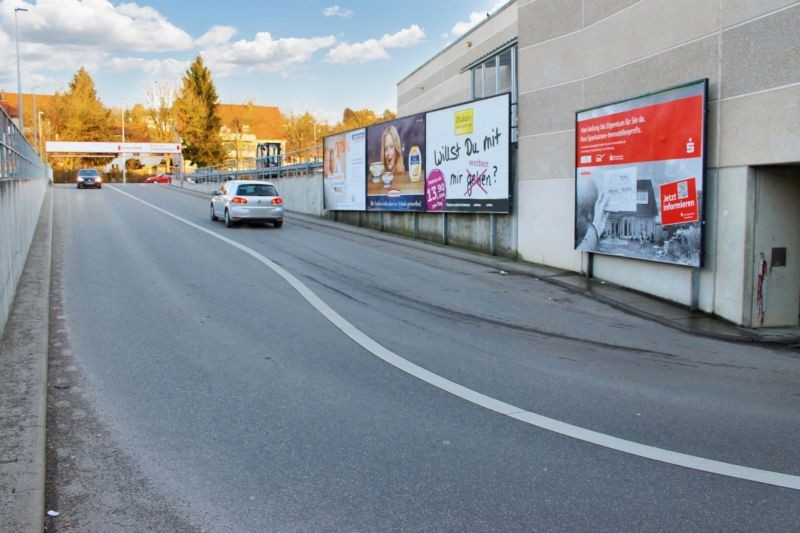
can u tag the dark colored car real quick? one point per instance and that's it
(89, 177)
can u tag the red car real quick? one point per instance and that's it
(161, 178)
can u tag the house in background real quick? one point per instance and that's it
(630, 225)
(33, 106)
(245, 126)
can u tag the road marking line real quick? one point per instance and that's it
(517, 413)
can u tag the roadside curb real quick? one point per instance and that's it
(199, 194)
(553, 276)
(716, 328)
(23, 386)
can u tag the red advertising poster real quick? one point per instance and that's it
(679, 202)
(671, 130)
(639, 175)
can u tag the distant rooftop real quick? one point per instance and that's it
(265, 121)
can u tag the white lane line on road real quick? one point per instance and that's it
(517, 413)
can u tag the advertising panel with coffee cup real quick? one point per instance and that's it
(396, 165)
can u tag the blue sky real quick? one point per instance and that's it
(301, 56)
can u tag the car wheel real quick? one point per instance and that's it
(99, 186)
(228, 222)
(214, 217)
(278, 223)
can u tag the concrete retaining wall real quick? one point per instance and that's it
(303, 194)
(20, 204)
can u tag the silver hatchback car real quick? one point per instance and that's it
(247, 201)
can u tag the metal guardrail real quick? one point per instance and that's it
(18, 159)
(298, 163)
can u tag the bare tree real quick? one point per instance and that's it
(237, 135)
(160, 103)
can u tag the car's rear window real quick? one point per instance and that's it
(256, 189)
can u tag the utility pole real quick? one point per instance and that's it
(40, 146)
(124, 161)
(19, 78)
(35, 129)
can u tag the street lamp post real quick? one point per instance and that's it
(40, 139)
(124, 161)
(35, 130)
(19, 78)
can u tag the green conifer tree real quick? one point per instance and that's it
(196, 112)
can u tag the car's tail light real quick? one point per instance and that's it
(239, 200)
(277, 201)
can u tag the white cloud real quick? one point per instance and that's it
(264, 54)
(217, 35)
(363, 52)
(154, 68)
(337, 11)
(403, 38)
(39, 61)
(462, 27)
(374, 49)
(96, 23)
(57, 37)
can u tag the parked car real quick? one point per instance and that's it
(161, 178)
(89, 177)
(247, 201)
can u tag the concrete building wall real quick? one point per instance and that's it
(575, 54)
(775, 259)
(439, 82)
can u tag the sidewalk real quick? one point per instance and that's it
(23, 387)
(635, 303)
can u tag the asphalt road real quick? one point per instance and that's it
(192, 388)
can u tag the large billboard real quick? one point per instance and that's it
(639, 176)
(344, 171)
(468, 156)
(396, 165)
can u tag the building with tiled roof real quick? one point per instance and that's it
(9, 101)
(244, 126)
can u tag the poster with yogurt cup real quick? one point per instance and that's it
(343, 170)
(396, 165)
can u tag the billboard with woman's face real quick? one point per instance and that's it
(343, 171)
(396, 165)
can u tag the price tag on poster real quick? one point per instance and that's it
(468, 156)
